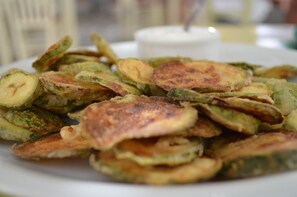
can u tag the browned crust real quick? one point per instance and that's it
(110, 122)
(190, 75)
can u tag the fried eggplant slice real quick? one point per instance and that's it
(135, 72)
(35, 119)
(45, 61)
(279, 72)
(104, 48)
(9, 131)
(167, 150)
(202, 76)
(67, 86)
(52, 146)
(261, 154)
(75, 68)
(245, 65)
(291, 121)
(108, 80)
(159, 61)
(204, 128)
(262, 111)
(133, 116)
(199, 169)
(231, 119)
(19, 89)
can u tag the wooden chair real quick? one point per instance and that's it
(34, 24)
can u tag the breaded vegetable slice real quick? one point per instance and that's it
(204, 128)
(167, 150)
(69, 59)
(19, 89)
(231, 119)
(108, 80)
(285, 97)
(52, 54)
(135, 72)
(104, 48)
(202, 76)
(261, 154)
(133, 116)
(85, 52)
(52, 146)
(279, 72)
(67, 86)
(58, 104)
(262, 111)
(291, 121)
(35, 119)
(75, 68)
(9, 131)
(245, 65)
(159, 61)
(199, 169)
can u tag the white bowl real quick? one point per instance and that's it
(197, 43)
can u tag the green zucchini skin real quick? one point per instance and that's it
(250, 166)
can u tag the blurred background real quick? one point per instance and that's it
(28, 27)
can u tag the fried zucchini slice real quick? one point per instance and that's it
(135, 72)
(285, 97)
(291, 121)
(58, 104)
(75, 68)
(69, 59)
(279, 72)
(262, 111)
(45, 61)
(204, 128)
(9, 131)
(202, 76)
(199, 169)
(84, 52)
(52, 146)
(254, 91)
(19, 89)
(104, 48)
(168, 150)
(35, 119)
(67, 86)
(133, 116)
(108, 80)
(231, 119)
(245, 65)
(159, 61)
(261, 154)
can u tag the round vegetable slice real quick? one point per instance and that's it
(19, 89)
(133, 117)
(52, 54)
(126, 170)
(167, 150)
(203, 76)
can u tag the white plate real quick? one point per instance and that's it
(74, 177)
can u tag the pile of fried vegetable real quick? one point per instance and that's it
(153, 121)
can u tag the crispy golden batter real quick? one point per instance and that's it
(67, 86)
(167, 150)
(202, 76)
(126, 170)
(53, 146)
(109, 122)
